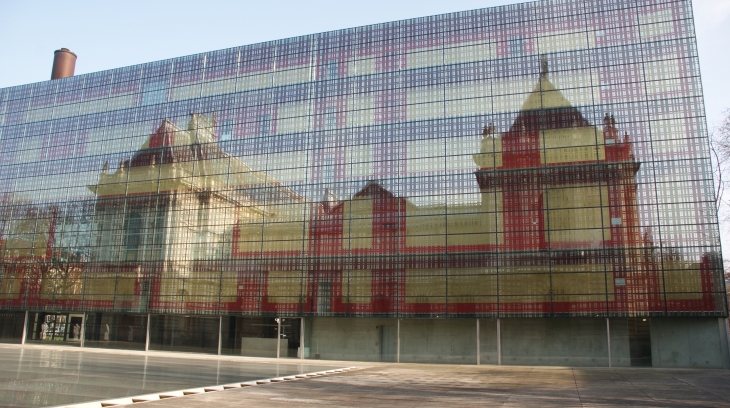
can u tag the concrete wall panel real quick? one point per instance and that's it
(620, 351)
(687, 342)
(345, 338)
(577, 342)
(451, 341)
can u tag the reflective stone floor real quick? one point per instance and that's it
(424, 385)
(35, 376)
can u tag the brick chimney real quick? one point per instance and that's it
(64, 63)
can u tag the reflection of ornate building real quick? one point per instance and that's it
(551, 182)
(174, 203)
(168, 202)
(557, 214)
(559, 182)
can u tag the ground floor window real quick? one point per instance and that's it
(11, 326)
(55, 327)
(113, 330)
(257, 336)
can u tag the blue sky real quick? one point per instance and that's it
(114, 34)
(108, 35)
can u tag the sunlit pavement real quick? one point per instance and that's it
(36, 376)
(42, 376)
(409, 385)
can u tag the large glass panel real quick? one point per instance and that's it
(257, 336)
(260, 337)
(184, 333)
(110, 330)
(11, 326)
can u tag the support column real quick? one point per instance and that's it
(220, 331)
(147, 335)
(608, 337)
(479, 347)
(301, 338)
(727, 333)
(25, 328)
(724, 338)
(278, 336)
(83, 331)
(397, 349)
(499, 342)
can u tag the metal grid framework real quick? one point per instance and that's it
(538, 159)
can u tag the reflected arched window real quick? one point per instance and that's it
(133, 234)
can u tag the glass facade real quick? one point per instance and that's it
(531, 160)
(11, 326)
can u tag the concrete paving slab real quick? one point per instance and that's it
(406, 385)
(381, 385)
(38, 376)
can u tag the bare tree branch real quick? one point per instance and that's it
(720, 150)
(720, 187)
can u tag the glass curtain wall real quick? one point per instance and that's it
(11, 326)
(544, 159)
(257, 336)
(184, 333)
(109, 330)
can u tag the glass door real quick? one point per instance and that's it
(73, 329)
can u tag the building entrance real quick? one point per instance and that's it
(640, 341)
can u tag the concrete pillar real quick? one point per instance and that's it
(278, 336)
(83, 331)
(725, 338)
(147, 335)
(397, 347)
(499, 342)
(301, 338)
(25, 329)
(479, 348)
(608, 337)
(220, 331)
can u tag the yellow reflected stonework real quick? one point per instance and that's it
(681, 280)
(357, 224)
(577, 213)
(285, 287)
(425, 285)
(559, 283)
(10, 284)
(359, 286)
(578, 144)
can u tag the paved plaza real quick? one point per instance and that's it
(43, 376)
(488, 386)
(38, 376)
